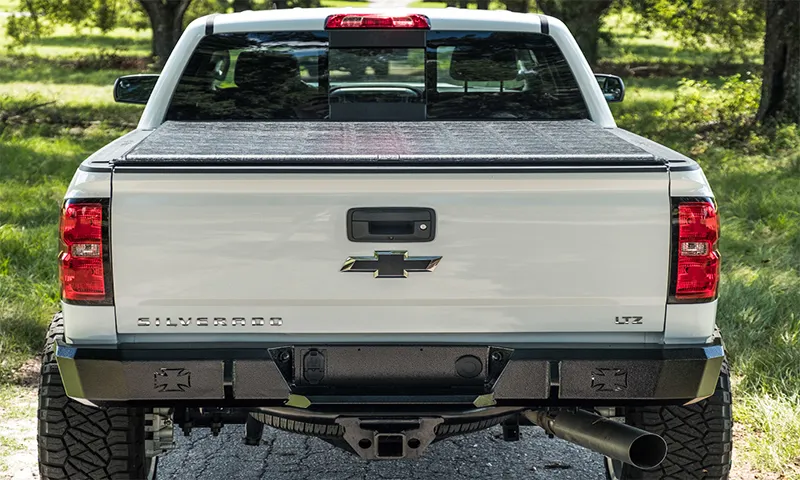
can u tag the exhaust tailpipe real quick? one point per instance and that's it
(615, 440)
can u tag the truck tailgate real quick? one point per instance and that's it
(229, 251)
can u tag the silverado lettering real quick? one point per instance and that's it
(202, 321)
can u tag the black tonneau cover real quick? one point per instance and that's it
(437, 143)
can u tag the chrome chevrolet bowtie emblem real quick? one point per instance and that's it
(390, 264)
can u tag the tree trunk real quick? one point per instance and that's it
(166, 21)
(242, 5)
(483, 4)
(588, 36)
(517, 5)
(583, 20)
(463, 3)
(780, 90)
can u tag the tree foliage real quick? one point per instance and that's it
(732, 24)
(44, 15)
(166, 18)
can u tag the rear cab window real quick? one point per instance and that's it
(450, 75)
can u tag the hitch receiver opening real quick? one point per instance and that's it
(390, 445)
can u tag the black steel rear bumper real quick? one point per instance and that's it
(299, 375)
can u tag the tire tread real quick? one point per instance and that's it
(699, 436)
(77, 441)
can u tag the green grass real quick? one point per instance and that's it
(17, 407)
(13, 410)
(9, 5)
(67, 42)
(632, 46)
(759, 312)
(774, 425)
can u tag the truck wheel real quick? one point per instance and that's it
(81, 442)
(699, 438)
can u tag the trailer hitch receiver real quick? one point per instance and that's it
(389, 439)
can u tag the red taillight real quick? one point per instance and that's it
(698, 260)
(377, 20)
(81, 259)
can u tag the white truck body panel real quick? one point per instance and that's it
(690, 322)
(521, 253)
(89, 324)
(691, 183)
(87, 184)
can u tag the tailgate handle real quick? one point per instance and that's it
(391, 224)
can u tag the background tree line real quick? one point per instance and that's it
(731, 23)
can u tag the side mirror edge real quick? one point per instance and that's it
(612, 86)
(135, 89)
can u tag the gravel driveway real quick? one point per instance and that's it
(287, 456)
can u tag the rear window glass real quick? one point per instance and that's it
(297, 76)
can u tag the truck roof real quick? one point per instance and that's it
(299, 19)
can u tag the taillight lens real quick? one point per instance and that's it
(82, 270)
(377, 21)
(697, 267)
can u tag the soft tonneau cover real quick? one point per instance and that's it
(577, 142)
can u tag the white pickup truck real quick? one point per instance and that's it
(455, 237)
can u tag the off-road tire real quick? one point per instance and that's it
(699, 437)
(81, 442)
